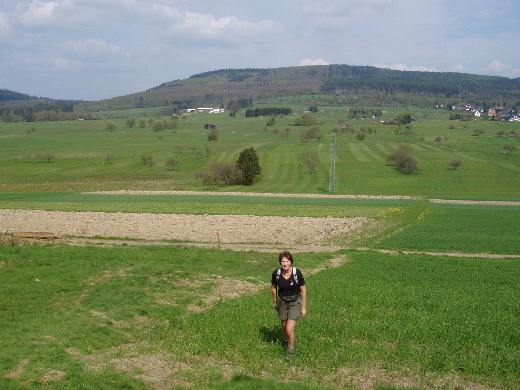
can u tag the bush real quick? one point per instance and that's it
(213, 135)
(172, 162)
(404, 161)
(305, 120)
(147, 160)
(404, 118)
(158, 126)
(509, 148)
(455, 164)
(407, 165)
(361, 136)
(221, 173)
(310, 161)
(313, 133)
(42, 157)
(111, 126)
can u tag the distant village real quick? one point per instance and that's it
(207, 110)
(496, 113)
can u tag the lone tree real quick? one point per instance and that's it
(111, 126)
(147, 160)
(213, 135)
(455, 164)
(310, 162)
(249, 166)
(404, 118)
(172, 162)
(509, 148)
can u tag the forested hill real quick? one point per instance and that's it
(435, 83)
(6, 94)
(16, 107)
(235, 88)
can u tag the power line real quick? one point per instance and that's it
(332, 181)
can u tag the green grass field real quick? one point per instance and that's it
(164, 317)
(136, 318)
(465, 228)
(80, 151)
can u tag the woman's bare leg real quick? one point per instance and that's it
(288, 329)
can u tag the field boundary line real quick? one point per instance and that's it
(286, 195)
(483, 202)
(259, 247)
(266, 194)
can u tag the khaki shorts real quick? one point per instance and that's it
(289, 310)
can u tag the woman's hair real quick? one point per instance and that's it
(285, 254)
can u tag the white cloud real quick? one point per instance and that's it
(497, 66)
(124, 45)
(460, 68)
(229, 29)
(37, 13)
(333, 13)
(61, 63)
(418, 68)
(5, 26)
(92, 47)
(317, 61)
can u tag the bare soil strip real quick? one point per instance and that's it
(215, 229)
(236, 232)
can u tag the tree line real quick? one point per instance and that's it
(447, 83)
(35, 110)
(267, 111)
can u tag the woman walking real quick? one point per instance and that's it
(289, 298)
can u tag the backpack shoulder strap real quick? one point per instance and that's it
(295, 275)
(279, 272)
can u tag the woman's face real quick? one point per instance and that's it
(285, 263)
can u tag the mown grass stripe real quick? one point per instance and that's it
(368, 148)
(358, 154)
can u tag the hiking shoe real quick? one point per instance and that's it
(290, 353)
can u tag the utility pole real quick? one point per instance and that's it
(332, 181)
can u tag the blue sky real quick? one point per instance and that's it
(96, 49)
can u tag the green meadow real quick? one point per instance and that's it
(145, 318)
(87, 156)
(177, 317)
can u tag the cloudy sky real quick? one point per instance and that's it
(96, 49)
